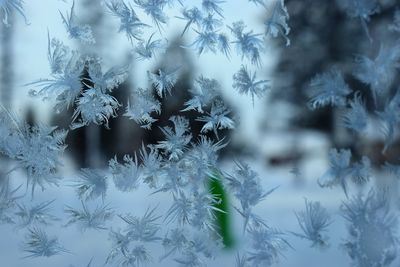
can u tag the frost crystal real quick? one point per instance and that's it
(248, 44)
(361, 9)
(177, 139)
(339, 162)
(202, 159)
(198, 210)
(212, 6)
(267, 246)
(210, 23)
(209, 35)
(356, 116)
(147, 49)
(154, 8)
(258, 2)
(95, 104)
(141, 106)
(129, 247)
(216, 119)
(76, 31)
(164, 81)
(372, 239)
(245, 82)
(180, 209)
(7, 202)
(277, 24)
(36, 149)
(396, 22)
(313, 222)
(211, 41)
(142, 228)
(91, 184)
(65, 85)
(7, 5)
(57, 54)
(341, 170)
(204, 92)
(392, 169)
(151, 165)
(38, 214)
(390, 120)
(192, 16)
(175, 241)
(245, 184)
(129, 21)
(87, 219)
(39, 244)
(378, 73)
(328, 88)
(126, 176)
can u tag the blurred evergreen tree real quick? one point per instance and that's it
(324, 36)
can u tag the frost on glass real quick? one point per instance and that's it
(65, 83)
(379, 72)
(216, 119)
(91, 184)
(90, 96)
(75, 30)
(39, 244)
(342, 171)
(36, 149)
(129, 245)
(245, 82)
(192, 16)
(267, 245)
(126, 176)
(183, 162)
(204, 91)
(362, 10)
(129, 21)
(277, 22)
(313, 222)
(176, 139)
(86, 218)
(328, 88)
(155, 10)
(390, 120)
(356, 115)
(39, 214)
(8, 198)
(8, 6)
(146, 50)
(164, 80)
(372, 229)
(395, 26)
(246, 187)
(248, 44)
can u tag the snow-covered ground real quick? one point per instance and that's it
(277, 209)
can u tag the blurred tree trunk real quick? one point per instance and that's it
(93, 16)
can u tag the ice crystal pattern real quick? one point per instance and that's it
(328, 88)
(314, 221)
(372, 239)
(180, 164)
